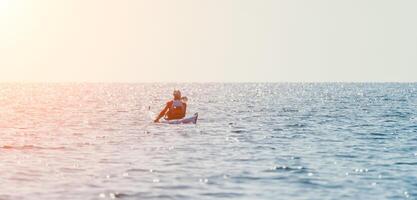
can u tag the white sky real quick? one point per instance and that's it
(208, 40)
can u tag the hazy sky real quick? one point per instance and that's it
(208, 40)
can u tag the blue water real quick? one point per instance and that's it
(253, 141)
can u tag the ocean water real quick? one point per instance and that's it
(253, 141)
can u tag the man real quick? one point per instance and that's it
(174, 109)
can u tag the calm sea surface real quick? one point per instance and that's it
(253, 141)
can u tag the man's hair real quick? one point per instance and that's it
(177, 94)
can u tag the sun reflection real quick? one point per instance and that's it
(4, 6)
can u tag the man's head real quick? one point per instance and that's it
(177, 94)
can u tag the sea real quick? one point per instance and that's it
(252, 141)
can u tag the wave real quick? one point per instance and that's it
(30, 147)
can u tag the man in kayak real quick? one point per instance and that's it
(174, 109)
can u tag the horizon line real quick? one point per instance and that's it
(191, 82)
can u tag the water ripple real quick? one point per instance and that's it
(254, 141)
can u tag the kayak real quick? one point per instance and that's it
(188, 120)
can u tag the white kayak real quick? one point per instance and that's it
(188, 120)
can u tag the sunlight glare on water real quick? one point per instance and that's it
(253, 141)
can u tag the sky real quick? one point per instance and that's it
(208, 40)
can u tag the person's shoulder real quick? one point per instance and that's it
(170, 102)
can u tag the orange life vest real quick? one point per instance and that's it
(177, 110)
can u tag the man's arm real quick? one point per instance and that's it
(185, 110)
(162, 113)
